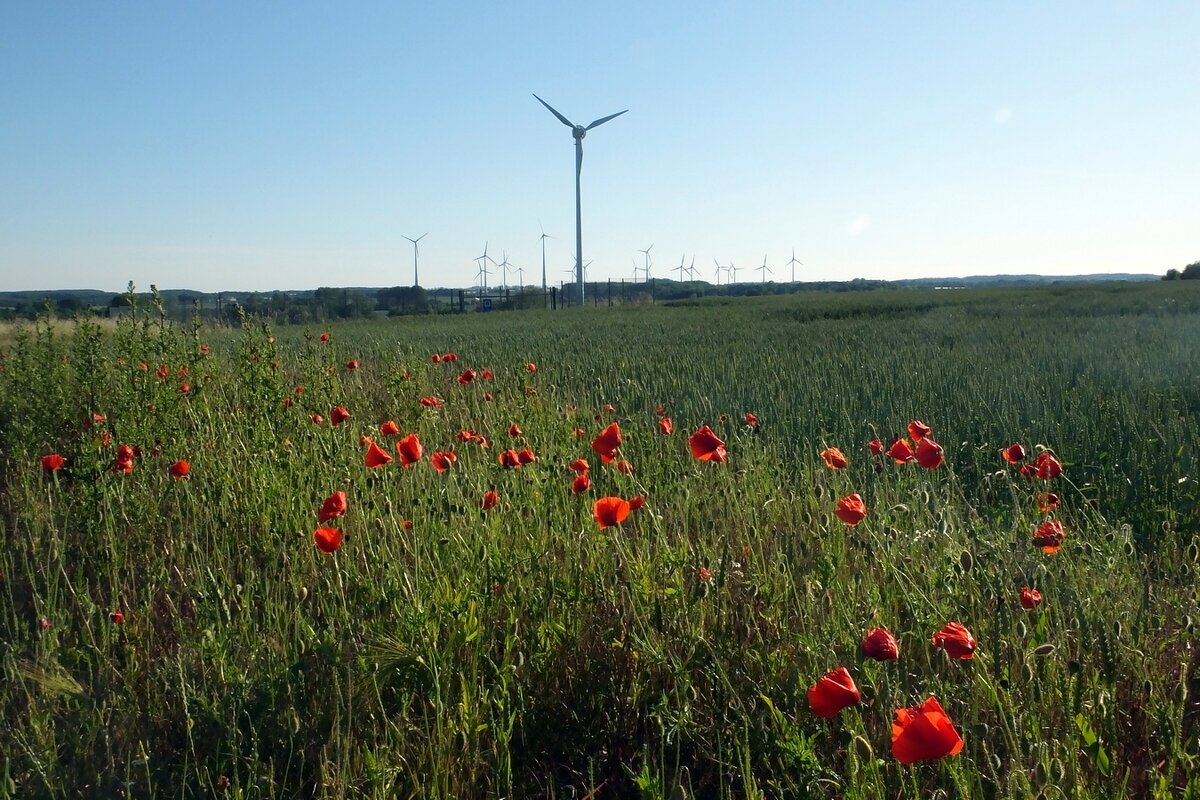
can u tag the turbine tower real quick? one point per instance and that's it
(793, 264)
(764, 269)
(646, 269)
(578, 131)
(416, 282)
(544, 237)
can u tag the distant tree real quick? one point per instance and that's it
(1191, 272)
(1172, 275)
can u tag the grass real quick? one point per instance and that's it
(448, 652)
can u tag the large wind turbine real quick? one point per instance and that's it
(414, 241)
(578, 131)
(793, 264)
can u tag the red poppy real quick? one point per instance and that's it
(126, 452)
(581, 484)
(180, 469)
(924, 733)
(956, 640)
(636, 502)
(451, 357)
(466, 377)
(610, 511)
(298, 390)
(317, 419)
(204, 349)
(1030, 598)
(442, 460)
(1014, 453)
(831, 693)
(1048, 466)
(162, 372)
(334, 506)
(352, 364)
(665, 426)
(324, 337)
(532, 367)
(751, 420)
(704, 574)
(184, 388)
(526, 456)
(607, 442)
(431, 402)
(929, 453)
(509, 459)
(338, 415)
(514, 430)
(1048, 501)
(1049, 536)
(436, 358)
(328, 539)
(881, 645)
(579, 433)
(579, 465)
(390, 428)
(624, 467)
(487, 374)
(833, 458)
(376, 456)
(409, 449)
(490, 499)
(851, 509)
(117, 617)
(487, 396)
(1027, 471)
(901, 451)
(530, 391)
(875, 447)
(918, 430)
(52, 462)
(660, 410)
(707, 446)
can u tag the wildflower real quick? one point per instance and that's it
(409, 449)
(317, 419)
(624, 467)
(526, 456)
(833, 458)
(466, 377)
(752, 421)
(514, 430)
(509, 459)
(431, 402)
(117, 617)
(636, 502)
(334, 506)
(390, 428)
(609, 511)
(338, 415)
(880, 644)
(352, 364)
(875, 447)
(53, 462)
(487, 375)
(180, 469)
(579, 465)
(929, 453)
(851, 509)
(490, 499)
(376, 456)
(1048, 502)
(707, 446)
(956, 640)
(834, 691)
(442, 460)
(665, 426)
(918, 430)
(436, 358)
(901, 451)
(1049, 536)
(324, 337)
(328, 540)
(607, 442)
(924, 733)
(1014, 453)
(1030, 598)
(581, 484)
(532, 367)
(704, 574)
(1048, 466)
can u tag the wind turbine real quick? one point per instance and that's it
(793, 264)
(646, 269)
(681, 268)
(692, 269)
(578, 131)
(521, 278)
(414, 242)
(718, 271)
(482, 261)
(732, 270)
(764, 269)
(544, 237)
(504, 271)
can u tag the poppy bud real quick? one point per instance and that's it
(1044, 650)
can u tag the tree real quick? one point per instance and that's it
(1191, 272)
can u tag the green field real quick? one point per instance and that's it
(445, 651)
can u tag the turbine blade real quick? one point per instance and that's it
(561, 118)
(603, 120)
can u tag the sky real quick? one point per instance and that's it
(258, 146)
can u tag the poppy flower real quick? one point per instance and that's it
(442, 460)
(328, 540)
(929, 453)
(918, 430)
(901, 451)
(624, 467)
(324, 337)
(117, 617)
(579, 465)
(831, 693)
(490, 499)
(514, 430)
(180, 469)
(636, 502)
(581, 484)
(530, 391)
(126, 452)
(204, 349)
(607, 442)
(1048, 501)
(390, 428)
(665, 426)
(184, 388)
(352, 364)
(334, 506)
(875, 447)
(1049, 536)
(851, 509)
(376, 456)
(707, 446)
(409, 449)
(436, 358)
(704, 574)
(163, 372)
(609, 511)
(1030, 598)
(466, 377)
(579, 433)
(833, 458)
(1048, 466)
(431, 402)
(1014, 453)
(532, 367)
(526, 456)
(956, 640)
(317, 419)
(52, 462)
(1027, 471)
(338, 415)
(660, 410)
(752, 421)
(451, 357)
(924, 733)
(487, 397)
(881, 645)
(509, 459)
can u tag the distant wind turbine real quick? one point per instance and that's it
(681, 268)
(793, 264)
(578, 131)
(416, 282)
(646, 269)
(764, 269)
(692, 269)
(544, 237)
(483, 270)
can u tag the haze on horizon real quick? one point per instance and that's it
(226, 146)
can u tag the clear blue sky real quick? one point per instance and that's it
(253, 146)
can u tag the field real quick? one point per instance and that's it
(168, 635)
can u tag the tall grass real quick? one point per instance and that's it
(448, 652)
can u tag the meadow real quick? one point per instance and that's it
(231, 628)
